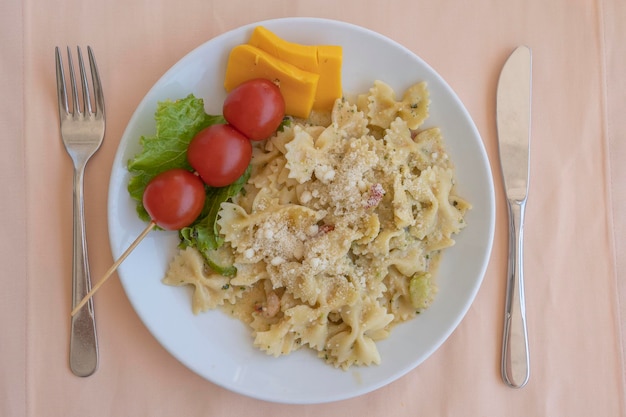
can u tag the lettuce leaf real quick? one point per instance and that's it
(177, 122)
(204, 235)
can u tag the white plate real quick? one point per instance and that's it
(219, 348)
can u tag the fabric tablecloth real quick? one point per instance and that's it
(575, 247)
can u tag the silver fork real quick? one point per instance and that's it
(82, 130)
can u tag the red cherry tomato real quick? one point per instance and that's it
(255, 108)
(220, 154)
(174, 198)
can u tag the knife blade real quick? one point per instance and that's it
(513, 108)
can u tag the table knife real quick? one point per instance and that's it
(513, 108)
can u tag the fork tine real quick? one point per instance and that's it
(97, 85)
(84, 83)
(61, 90)
(75, 102)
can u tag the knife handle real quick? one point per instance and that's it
(515, 356)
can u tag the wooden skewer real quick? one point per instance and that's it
(113, 268)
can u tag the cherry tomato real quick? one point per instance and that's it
(174, 198)
(255, 108)
(220, 154)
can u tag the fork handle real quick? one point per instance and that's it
(515, 355)
(83, 339)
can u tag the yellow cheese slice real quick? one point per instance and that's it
(297, 86)
(325, 60)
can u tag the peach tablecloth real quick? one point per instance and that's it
(576, 258)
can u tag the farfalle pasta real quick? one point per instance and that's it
(338, 232)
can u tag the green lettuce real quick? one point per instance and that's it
(177, 122)
(204, 235)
